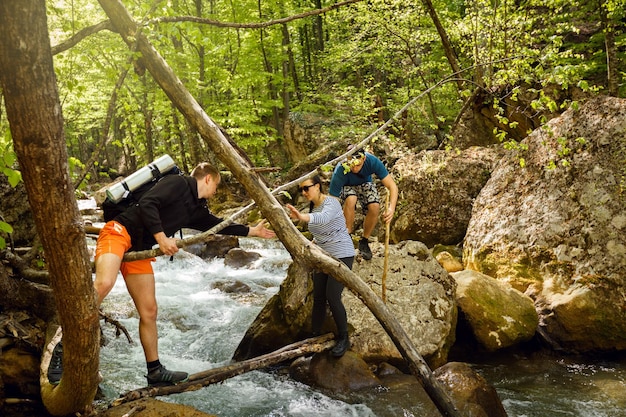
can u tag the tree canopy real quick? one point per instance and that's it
(255, 65)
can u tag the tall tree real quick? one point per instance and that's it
(299, 247)
(34, 113)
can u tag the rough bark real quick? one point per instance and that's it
(299, 247)
(212, 376)
(34, 113)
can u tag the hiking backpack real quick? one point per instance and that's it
(110, 209)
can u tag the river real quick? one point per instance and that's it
(201, 324)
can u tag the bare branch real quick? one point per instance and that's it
(259, 25)
(119, 327)
(82, 34)
(25, 270)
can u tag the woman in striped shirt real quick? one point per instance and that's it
(327, 224)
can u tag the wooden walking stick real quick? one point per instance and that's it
(387, 227)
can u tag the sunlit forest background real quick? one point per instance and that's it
(259, 66)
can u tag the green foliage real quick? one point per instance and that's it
(4, 228)
(372, 58)
(8, 160)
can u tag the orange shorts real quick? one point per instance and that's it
(115, 239)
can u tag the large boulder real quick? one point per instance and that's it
(499, 315)
(552, 221)
(419, 292)
(437, 192)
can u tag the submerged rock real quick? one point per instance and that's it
(150, 407)
(347, 373)
(239, 258)
(470, 392)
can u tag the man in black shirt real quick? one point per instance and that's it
(175, 202)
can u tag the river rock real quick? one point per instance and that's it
(419, 292)
(284, 319)
(150, 407)
(552, 221)
(216, 246)
(471, 393)
(240, 258)
(437, 192)
(232, 287)
(449, 262)
(19, 371)
(499, 315)
(347, 373)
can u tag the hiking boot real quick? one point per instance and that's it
(162, 376)
(342, 345)
(55, 369)
(364, 249)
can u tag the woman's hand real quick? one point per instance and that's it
(293, 212)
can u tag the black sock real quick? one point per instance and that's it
(154, 365)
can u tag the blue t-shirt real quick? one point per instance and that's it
(372, 165)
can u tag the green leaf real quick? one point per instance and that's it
(5, 227)
(13, 176)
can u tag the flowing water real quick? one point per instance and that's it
(201, 324)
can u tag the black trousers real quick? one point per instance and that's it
(328, 289)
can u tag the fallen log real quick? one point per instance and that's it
(212, 376)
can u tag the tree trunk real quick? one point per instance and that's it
(445, 41)
(34, 113)
(298, 246)
(106, 129)
(612, 72)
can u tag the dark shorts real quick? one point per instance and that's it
(366, 194)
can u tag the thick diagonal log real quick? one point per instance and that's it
(297, 245)
(212, 376)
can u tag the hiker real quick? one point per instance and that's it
(328, 226)
(175, 202)
(352, 182)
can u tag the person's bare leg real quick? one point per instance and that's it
(142, 290)
(373, 210)
(107, 267)
(349, 207)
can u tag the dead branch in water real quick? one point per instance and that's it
(212, 376)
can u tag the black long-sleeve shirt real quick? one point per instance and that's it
(172, 204)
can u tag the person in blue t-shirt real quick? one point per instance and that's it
(351, 182)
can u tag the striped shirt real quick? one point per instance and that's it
(328, 226)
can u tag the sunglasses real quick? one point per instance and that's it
(356, 159)
(305, 188)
